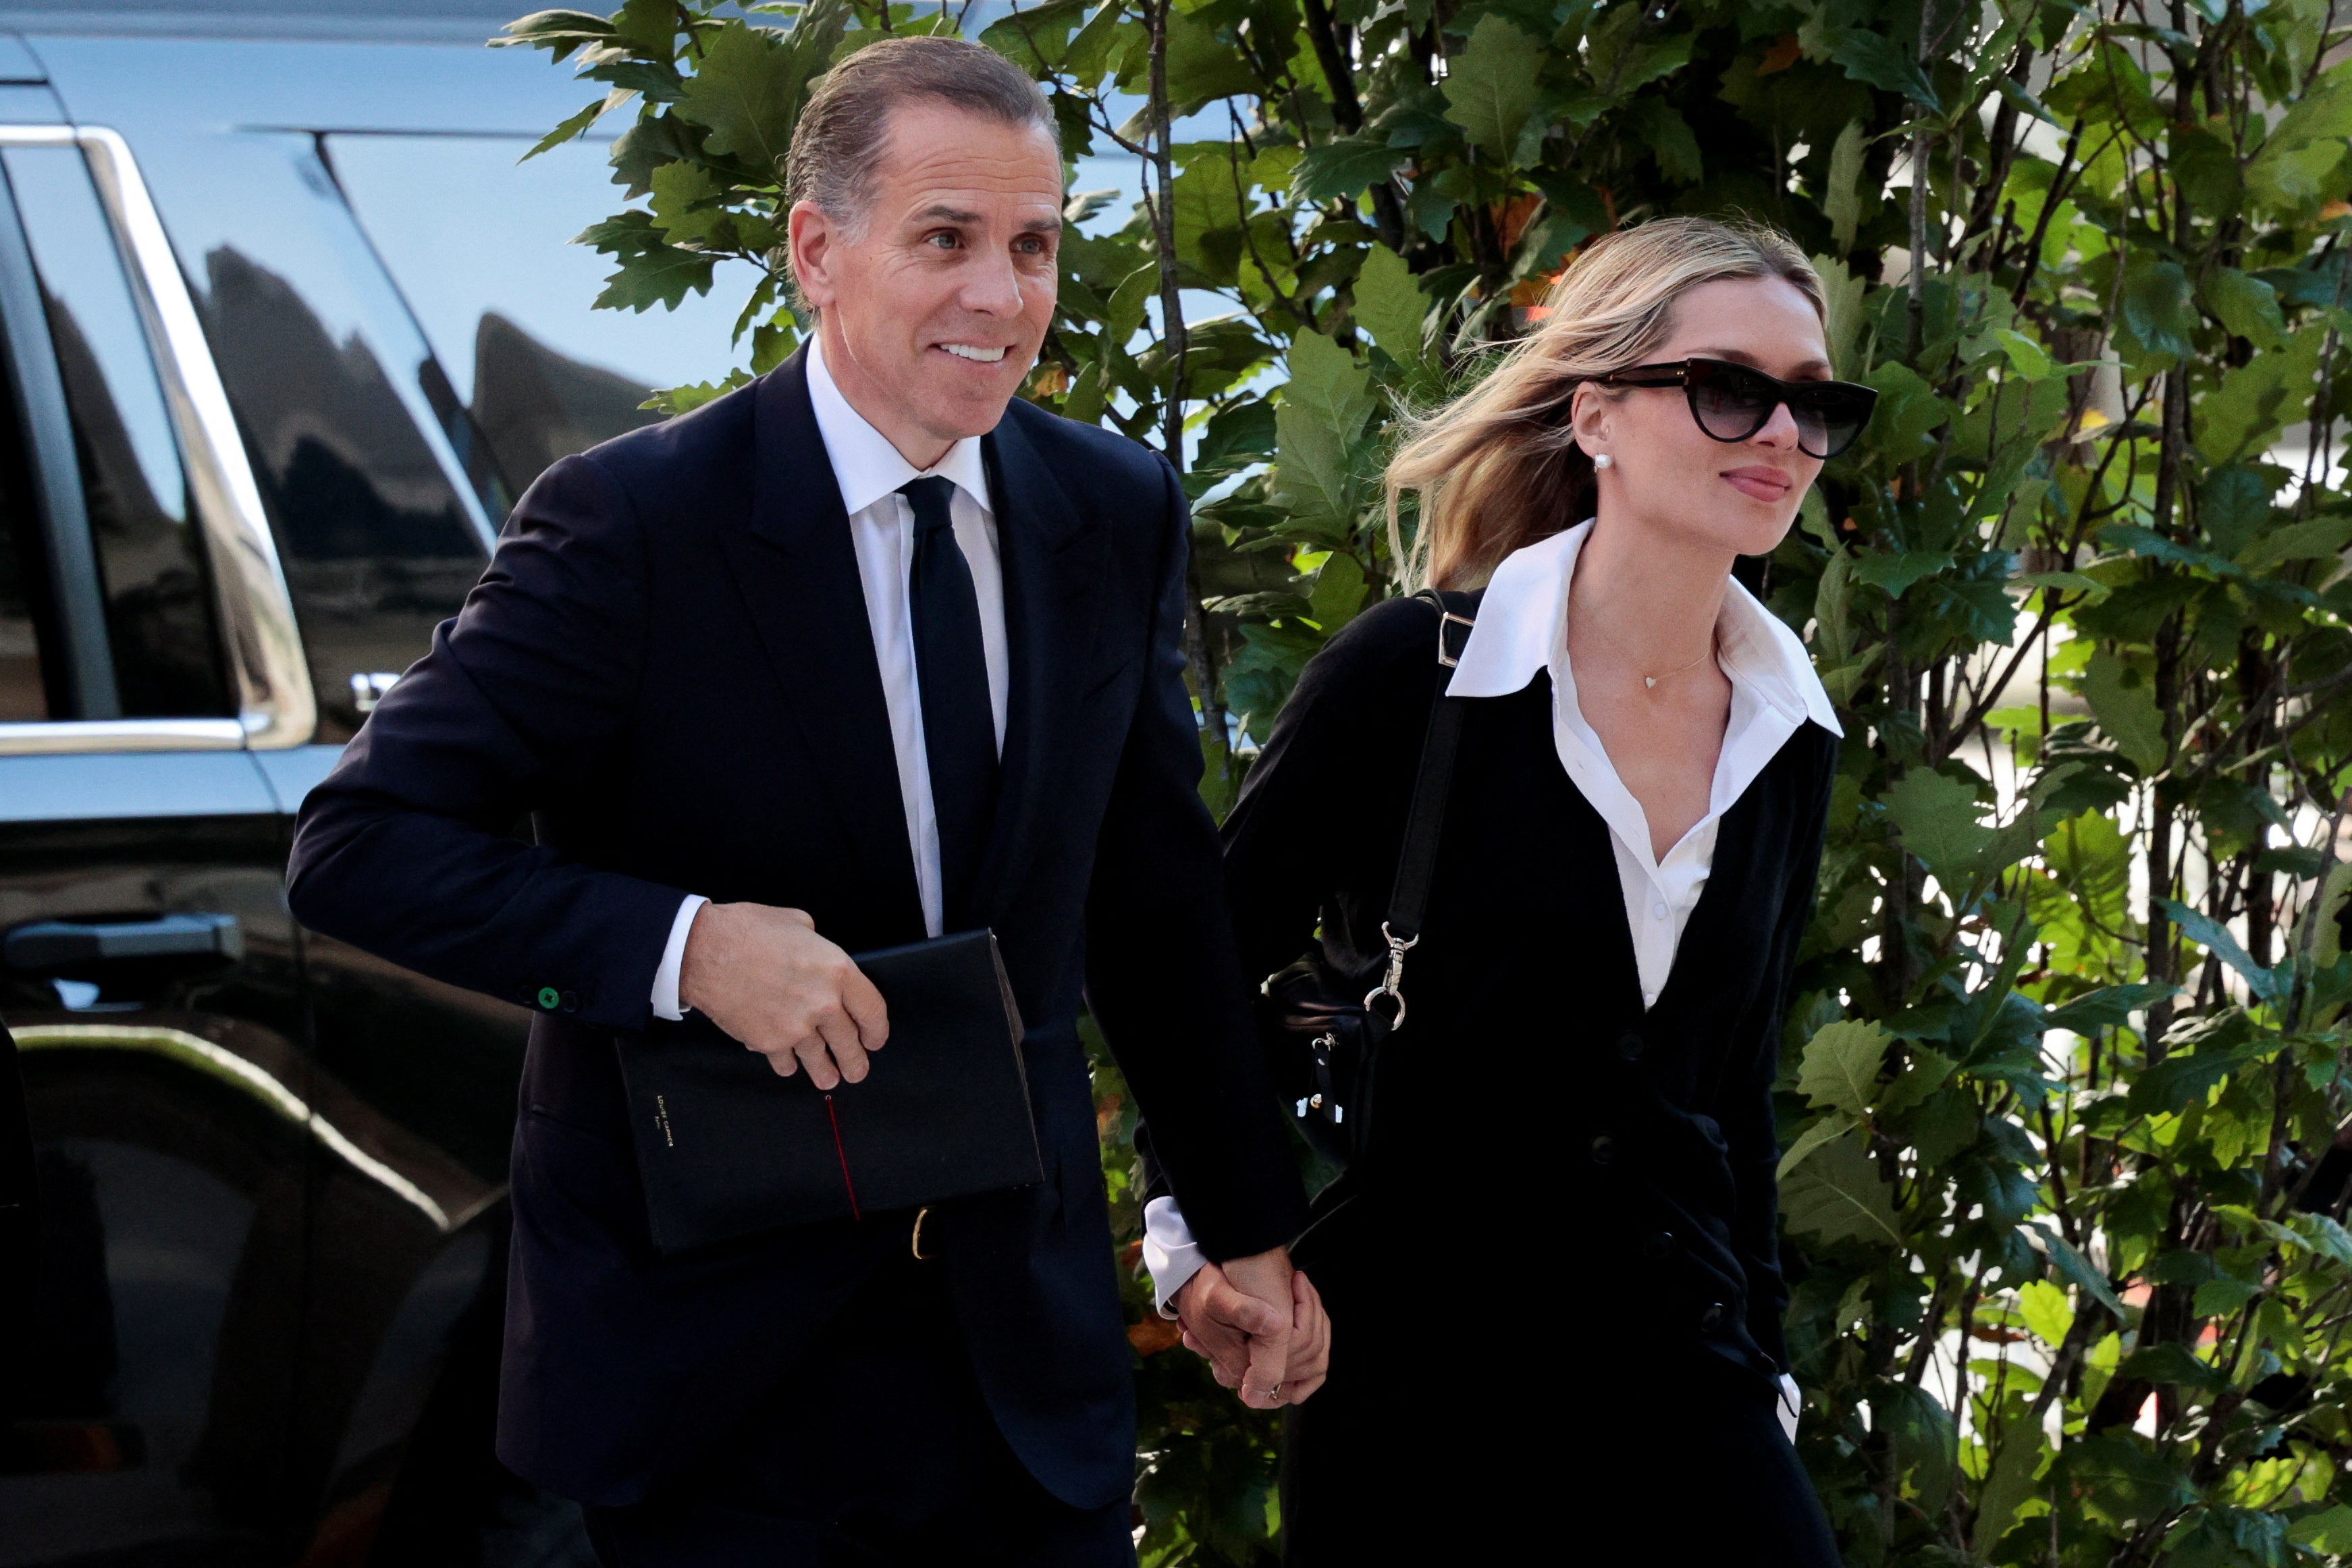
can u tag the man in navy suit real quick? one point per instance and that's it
(862, 651)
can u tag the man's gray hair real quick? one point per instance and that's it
(843, 129)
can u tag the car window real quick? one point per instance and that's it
(479, 245)
(159, 605)
(24, 692)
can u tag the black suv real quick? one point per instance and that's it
(284, 327)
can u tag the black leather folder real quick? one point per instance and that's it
(726, 1149)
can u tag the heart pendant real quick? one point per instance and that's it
(1649, 680)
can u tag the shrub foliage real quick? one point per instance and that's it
(2066, 1065)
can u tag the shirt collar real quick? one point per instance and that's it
(866, 466)
(1523, 620)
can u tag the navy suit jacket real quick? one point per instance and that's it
(667, 668)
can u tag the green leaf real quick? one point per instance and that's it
(2327, 1533)
(1342, 169)
(1840, 1068)
(747, 88)
(685, 203)
(1201, 66)
(2167, 1088)
(1841, 193)
(577, 125)
(2247, 306)
(2008, 1484)
(1937, 815)
(2257, 398)
(1669, 138)
(2317, 539)
(2074, 1265)
(1324, 406)
(1898, 571)
(1838, 1194)
(1909, 410)
(1339, 591)
(2156, 308)
(1927, 1073)
(2223, 1297)
(2105, 1008)
(2124, 702)
(1391, 306)
(652, 271)
(1876, 60)
(1490, 85)
(1826, 1130)
(2202, 929)
(2046, 1311)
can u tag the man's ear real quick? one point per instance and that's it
(810, 236)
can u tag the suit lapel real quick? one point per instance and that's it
(796, 567)
(1054, 586)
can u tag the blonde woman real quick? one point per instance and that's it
(1551, 1269)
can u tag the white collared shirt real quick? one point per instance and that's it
(1522, 629)
(868, 472)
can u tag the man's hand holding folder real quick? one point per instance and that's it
(765, 976)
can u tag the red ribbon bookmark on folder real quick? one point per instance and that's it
(834, 1117)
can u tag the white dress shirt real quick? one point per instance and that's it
(869, 471)
(1523, 630)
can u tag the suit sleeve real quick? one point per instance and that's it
(405, 849)
(1161, 973)
(1746, 1107)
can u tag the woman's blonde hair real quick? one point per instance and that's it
(1498, 468)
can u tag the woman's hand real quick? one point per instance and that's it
(1238, 1314)
(1310, 1342)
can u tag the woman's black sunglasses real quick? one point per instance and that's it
(1732, 402)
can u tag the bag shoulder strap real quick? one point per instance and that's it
(1417, 857)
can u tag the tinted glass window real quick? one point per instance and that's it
(23, 691)
(150, 555)
(479, 244)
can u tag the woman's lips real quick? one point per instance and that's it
(1762, 484)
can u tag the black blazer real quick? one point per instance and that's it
(667, 667)
(1590, 1160)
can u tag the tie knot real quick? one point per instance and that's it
(929, 497)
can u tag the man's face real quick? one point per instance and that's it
(934, 311)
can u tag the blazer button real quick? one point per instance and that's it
(1712, 1319)
(549, 998)
(1657, 1245)
(1630, 1046)
(571, 1001)
(1604, 1149)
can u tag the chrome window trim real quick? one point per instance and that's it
(275, 704)
(122, 735)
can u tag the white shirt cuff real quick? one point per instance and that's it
(1791, 1405)
(1168, 1251)
(666, 1002)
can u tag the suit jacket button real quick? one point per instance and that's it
(549, 998)
(1712, 1319)
(1657, 1245)
(571, 1001)
(1630, 1046)
(1604, 1149)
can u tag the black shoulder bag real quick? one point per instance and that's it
(1325, 1027)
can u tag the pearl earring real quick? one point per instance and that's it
(1602, 460)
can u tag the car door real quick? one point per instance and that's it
(244, 1272)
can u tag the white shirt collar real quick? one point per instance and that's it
(866, 466)
(1523, 620)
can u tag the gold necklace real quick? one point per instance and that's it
(1650, 682)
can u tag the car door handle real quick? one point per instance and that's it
(45, 946)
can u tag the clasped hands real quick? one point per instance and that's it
(766, 977)
(1260, 1325)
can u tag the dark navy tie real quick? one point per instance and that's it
(951, 671)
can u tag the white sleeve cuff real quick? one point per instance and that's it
(1790, 1405)
(1168, 1251)
(666, 1002)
